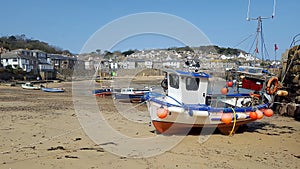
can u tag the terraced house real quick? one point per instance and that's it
(20, 58)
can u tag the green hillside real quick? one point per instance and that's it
(22, 42)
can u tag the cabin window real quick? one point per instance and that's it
(174, 81)
(192, 83)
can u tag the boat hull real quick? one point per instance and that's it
(129, 97)
(30, 87)
(172, 127)
(180, 119)
(54, 90)
(102, 92)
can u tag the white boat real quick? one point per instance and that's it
(30, 86)
(186, 101)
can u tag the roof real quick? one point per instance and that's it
(60, 57)
(190, 74)
(12, 55)
(36, 50)
(9, 55)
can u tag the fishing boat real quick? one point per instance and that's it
(54, 90)
(188, 100)
(30, 86)
(130, 94)
(102, 92)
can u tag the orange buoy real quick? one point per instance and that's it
(226, 118)
(224, 90)
(268, 112)
(253, 115)
(260, 114)
(162, 113)
(229, 84)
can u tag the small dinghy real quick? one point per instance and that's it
(30, 86)
(54, 90)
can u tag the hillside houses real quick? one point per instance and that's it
(46, 65)
(162, 58)
(37, 62)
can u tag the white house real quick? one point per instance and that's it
(44, 63)
(128, 64)
(148, 64)
(113, 65)
(224, 57)
(20, 58)
(247, 56)
(89, 64)
(171, 64)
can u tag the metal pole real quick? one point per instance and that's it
(275, 55)
(1, 49)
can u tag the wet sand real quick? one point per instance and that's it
(41, 130)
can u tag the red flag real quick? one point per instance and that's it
(256, 50)
(276, 47)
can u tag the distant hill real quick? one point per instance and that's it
(22, 42)
(210, 49)
(220, 50)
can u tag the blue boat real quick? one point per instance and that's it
(55, 90)
(102, 92)
(129, 94)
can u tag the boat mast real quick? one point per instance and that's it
(259, 28)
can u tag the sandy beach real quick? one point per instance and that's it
(42, 130)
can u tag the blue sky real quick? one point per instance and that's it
(69, 24)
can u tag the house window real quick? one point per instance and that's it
(192, 83)
(174, 81)
(15, 60)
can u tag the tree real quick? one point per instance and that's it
(12, 38)
(18, 70)
(98, 51)
(129, 52)
(107, 54)
(9, 68)
(20, 41)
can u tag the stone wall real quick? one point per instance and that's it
(290, 105)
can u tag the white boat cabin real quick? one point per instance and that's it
(186, 87)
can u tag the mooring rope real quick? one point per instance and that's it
(234, 122)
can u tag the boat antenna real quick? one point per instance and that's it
(259, 27)
(260, 17)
